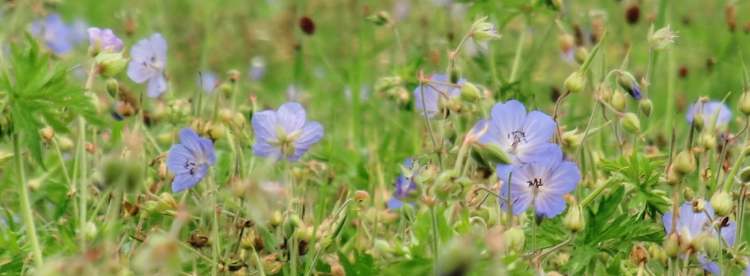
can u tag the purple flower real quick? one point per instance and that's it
(542, 184)
(690, 224)
(405, 186)
(57, 35)
(104, 40)
(189, 160)
(437, 89)
(710, 111)
(284, 133)
(634, 90)
(148, 61)
(525, 137)
(257, 68)
(208, 81)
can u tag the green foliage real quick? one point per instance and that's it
(39, 94)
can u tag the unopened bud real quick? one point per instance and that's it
(581, 55)
(47, 134)
(722, 203)
(492, 153)
(361, 196)
(638, 255)
(65, 143)
(575, 82)
(234, 75)
(646, 106)
(470, 92)
(628, 82)
(672, 245)
(515, 239)
(574, 220)
(113, 87)
(276, 218)
(688, 193)
(707, 140)
(744, 175)
(380, 18)
(572, 139)
(745, 103)
(110, 64)
(482, 30)
(631, 123)
(618, 101)
(698, 121)
(684, 162)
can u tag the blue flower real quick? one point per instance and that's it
(55, 33)
(690, 224)
(284, 133)
(542, 184)
(104, 40)
(710, 111)
(148, 61)
(189, 160)
(405, 186)
(208, 81)
(257, 68)
(523, 136)
(437, 88)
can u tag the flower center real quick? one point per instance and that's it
(285, 141)
(516, 137)
(191, 166)
(536, 183)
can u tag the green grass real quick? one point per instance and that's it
(131, 222)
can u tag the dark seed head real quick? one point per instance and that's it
(632, 14)
(683, 72)
(307, 25)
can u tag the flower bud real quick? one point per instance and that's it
(581, 55)
(47, 134)
(574, 220)
(707, 140)
(380, 18)
(482, 30)
(722, 203)
(572, 139)
(276, 218)
(698, 205)
(604, 92)
(698, 121)
(575, 82)
(688, 193)
(167, 202)
(382, 247)
(566, 42)
(65, 143)
(672, 245)
(744, 105)
(618, 101)
(709, 244)
(216, 131)
(90, 230)
(225, 88)
(638, 255)
(113, 87)
(684, 162)
(657, 253)
(631, 123)
(744, 175)
(470, 92)
(110, 64)
(645, 105)
(514, 239)
(361, 196)
(628, 82)
(491, 153)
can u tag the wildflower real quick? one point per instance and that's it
(57, 35)
(662, 38)
(208, 81)
(438, 88)
(542, 184)
(628, 82)
(691, 224)
(257, 68)
(284, 133)
(148, 61)
(405, 186)
(103, 40)
(712, 112)
(482, 30)
(523, 136)
(189, 160)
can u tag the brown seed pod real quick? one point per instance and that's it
(307, 25)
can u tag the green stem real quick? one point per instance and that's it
(28, 217)
(517, 57)
(216, 243)
(82, 189)
(434, 240)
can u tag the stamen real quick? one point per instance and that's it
(517, 136)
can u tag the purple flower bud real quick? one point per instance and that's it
(104, 40)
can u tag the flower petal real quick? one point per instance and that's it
(508, 117)
(177, 157)
(311, 134)
(156, 86)
(539, 128)
(291, 116)
(264, 124)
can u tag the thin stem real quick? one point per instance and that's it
(435, 241)
(216, 243)
(28, 217)
(517, 57)
(427, 120)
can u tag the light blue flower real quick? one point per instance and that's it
(436, 90)
(148, 61)
(104, 40)
(709, 111)
(690, 224)
(540, 184)
(284, 133)
(55, 33)
(190, 159)
(405, 186)
(208, 81)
